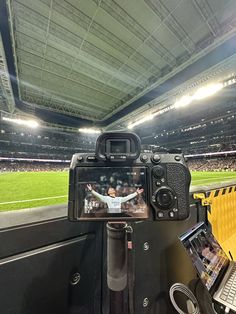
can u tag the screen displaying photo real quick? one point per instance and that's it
(207, 256)
(112, 192)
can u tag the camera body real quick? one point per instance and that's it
(158, 183)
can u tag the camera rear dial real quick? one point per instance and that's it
(165, 197)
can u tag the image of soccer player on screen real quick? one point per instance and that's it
(112, 200)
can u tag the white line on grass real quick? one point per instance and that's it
(213, 178)
(34, 199)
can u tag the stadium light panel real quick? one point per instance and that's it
(30, 123)
(230, 82)
(183, 101)
(228, 152)
(146, 118)
(89, 131)
(207, 91)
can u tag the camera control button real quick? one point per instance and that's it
(160, 214)
(171, 214)
(118, 157)
(144, 158)
(91, 158)
(177, 158)
(156, 158)
(158, 183)
(80, 158)
(158, 171)
(165, 197)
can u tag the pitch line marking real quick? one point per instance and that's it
(230, 177)
(34, 199)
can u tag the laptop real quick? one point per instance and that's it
(216, 271)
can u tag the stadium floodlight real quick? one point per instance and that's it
(207, 91)
(186, 100)
(231, 81)
(30, 123)
(89, 131)
(144, 119)
(183, 101)
(228, 152)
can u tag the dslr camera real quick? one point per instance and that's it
(119, 183)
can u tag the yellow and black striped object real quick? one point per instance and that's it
(222, 215)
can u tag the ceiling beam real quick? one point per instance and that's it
(208, 16)
(57, 75)
(73, 13)
(173, 25)
(5, 82)
(119, 14)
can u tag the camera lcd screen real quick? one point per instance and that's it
(108, 193)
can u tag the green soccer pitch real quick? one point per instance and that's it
(32, 189)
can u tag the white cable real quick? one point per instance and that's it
(192, 304)
(213, 308)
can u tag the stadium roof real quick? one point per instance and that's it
(109, 62)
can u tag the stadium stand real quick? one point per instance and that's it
(213, 164)
(49, 143)
(14, 166)
(57, 144)
(205, 164)
(200, 132)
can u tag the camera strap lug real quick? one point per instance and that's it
(129, 231)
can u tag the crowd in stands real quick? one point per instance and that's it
(213, 164)
(203, 164)
(16, 141)
(7, 166)
(210, 149)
